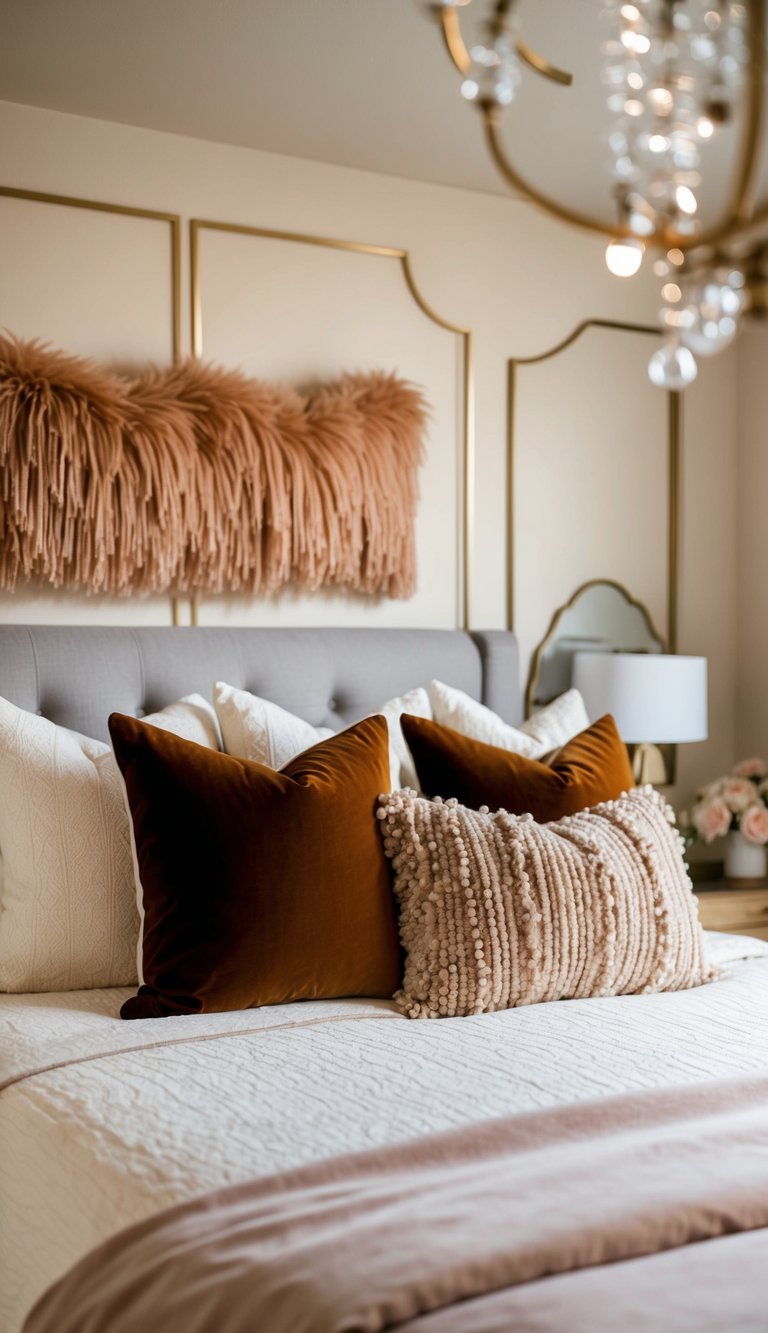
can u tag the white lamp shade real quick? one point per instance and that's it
(655, 698)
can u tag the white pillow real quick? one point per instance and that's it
(402, 770)
(192, 718)
(68, 916)
(547, 730)
(255, 728)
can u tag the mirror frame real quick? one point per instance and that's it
(557, 617)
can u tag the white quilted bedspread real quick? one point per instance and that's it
(103, 1122)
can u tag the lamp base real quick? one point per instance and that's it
(653, 763)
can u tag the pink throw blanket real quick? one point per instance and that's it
(466, 1231)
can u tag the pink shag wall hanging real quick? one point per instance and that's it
(196, 479)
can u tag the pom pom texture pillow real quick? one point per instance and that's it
(498, 911)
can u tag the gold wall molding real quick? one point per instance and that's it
(674, 439)
(177, 612)
(465, 517)
(173, 221)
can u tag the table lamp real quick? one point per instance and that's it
(655, 699)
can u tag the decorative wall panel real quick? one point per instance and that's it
(594, 477)
(298, 308)
(104, 280)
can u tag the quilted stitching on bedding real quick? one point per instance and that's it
(91, 1147)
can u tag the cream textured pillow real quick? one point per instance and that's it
(498, 911)
(553, 726)
(255, 728)
(68, 916)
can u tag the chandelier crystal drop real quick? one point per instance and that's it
(495, 72)
(675, 73)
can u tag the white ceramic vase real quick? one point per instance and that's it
(743, 860)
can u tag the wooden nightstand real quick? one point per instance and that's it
(742, 911)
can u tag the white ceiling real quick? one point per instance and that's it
(361, 83)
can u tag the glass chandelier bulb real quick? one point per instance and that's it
(641, 223)
(708, 337)
(673, 366)
(625, 256)
(686, 199)
(715, 308)
(635, 42)
(661, 99)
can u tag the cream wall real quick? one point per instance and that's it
(708, 574)
(750, 595)
(521, 283)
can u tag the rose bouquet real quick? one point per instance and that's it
(738, 802)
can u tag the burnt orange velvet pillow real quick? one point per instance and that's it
(259, 887)
(592, 767)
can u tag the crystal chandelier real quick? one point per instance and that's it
(675, 72)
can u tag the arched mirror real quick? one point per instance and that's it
(601, 616)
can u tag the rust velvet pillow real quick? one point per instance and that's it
(258, 887)
(593, 767)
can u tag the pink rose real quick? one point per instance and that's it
(711, 819)
(738, 793)
(754, 824)
(750, 768)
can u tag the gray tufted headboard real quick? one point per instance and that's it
(78, 675)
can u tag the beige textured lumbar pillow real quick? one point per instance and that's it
(498, 911)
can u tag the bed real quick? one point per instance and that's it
(105, 1123)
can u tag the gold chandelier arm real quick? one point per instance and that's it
(741, 215)
(454, 42)
(759, 218)
(539, 65)
(744, 199)
(665, 240)
(491, 122)
(457, 50)
(737, 234)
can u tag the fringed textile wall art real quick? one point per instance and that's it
(199, 480)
